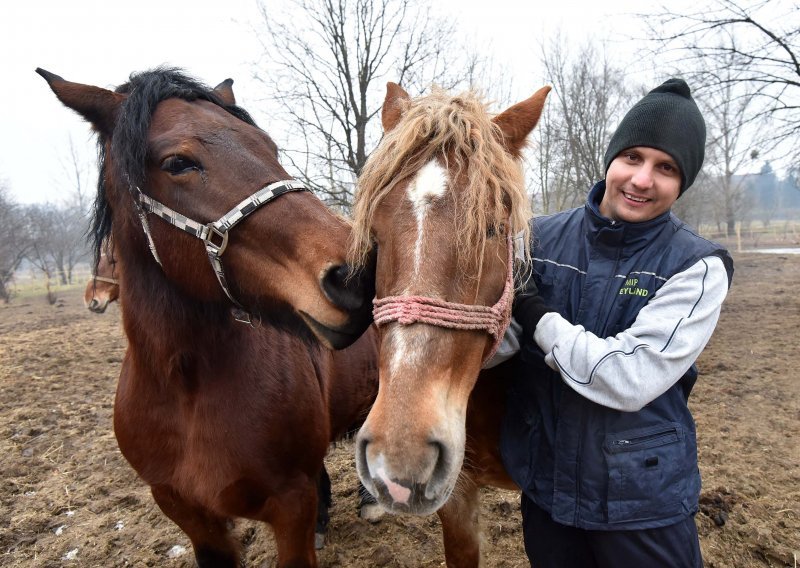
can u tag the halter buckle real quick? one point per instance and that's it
(212, 234)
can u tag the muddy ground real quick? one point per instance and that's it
(68, 498)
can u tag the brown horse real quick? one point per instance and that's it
(102, 288)
(441, 197)
(220, 418)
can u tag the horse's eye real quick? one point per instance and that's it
(177, 165)
(494, 230)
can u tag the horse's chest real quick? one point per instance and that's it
(223, 448)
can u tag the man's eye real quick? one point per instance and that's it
(177, 165)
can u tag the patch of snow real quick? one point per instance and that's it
(176, 551)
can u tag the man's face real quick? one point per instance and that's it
(641, 184)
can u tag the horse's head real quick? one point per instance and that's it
(172, 148)
(103, 287)
(440, 198)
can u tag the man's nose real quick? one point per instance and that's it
(643, 178)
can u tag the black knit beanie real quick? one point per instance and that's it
(666, 119)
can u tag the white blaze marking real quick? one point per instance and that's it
(408, 347)
(429, 185)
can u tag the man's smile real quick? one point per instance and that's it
(634, 198)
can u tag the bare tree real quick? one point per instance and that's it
(73, 215)
(78, 173)
(737, 134)
(14, 242)
(588, 100)
(700, 205)
(730, 44)
(328, 64)
(57, 240)
(40, 220)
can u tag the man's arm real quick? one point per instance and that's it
(628, 371)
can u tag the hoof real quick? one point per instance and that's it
(319, 541)
(372, 512)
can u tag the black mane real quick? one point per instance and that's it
(129, 140)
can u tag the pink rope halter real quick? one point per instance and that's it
(406, 310)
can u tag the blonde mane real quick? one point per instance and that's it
(458, 130)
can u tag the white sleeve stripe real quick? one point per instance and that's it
(547, 260)
(702, 287)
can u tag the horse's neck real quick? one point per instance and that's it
(158, 318)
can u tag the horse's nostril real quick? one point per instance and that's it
(440, 458)
(343, 289)
(362, 441)
(337, 275)
(361, 447)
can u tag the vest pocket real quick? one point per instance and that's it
(646, 473)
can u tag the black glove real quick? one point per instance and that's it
(528, 308)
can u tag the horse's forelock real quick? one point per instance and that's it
(459, 130)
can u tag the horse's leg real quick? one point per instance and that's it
(461, 526)
(324, 501)
(368, 508)
(213, 547)
(292, 515)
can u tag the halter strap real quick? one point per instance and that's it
(406, 310)
(215, 234)
(113, 281)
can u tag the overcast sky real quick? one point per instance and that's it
(102, 42)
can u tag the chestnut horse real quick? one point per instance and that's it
(441, 197)
(102, 288)
(220, 418)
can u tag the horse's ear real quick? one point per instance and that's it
(98, 106)
(225, 91)
(393, 105)
(517, 121)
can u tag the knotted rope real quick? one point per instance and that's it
(406, 310)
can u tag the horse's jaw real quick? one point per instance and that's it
(338, 337)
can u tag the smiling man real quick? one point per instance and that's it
(623, 298)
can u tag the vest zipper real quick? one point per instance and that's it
(626, 444)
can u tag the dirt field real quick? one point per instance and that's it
(70, 499)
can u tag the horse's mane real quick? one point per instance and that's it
(455, 128)
(129, 139)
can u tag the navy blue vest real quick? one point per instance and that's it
(588, 465)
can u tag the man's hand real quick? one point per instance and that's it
(529, 307)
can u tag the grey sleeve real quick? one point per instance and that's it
(508, 347)
(631, 369)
